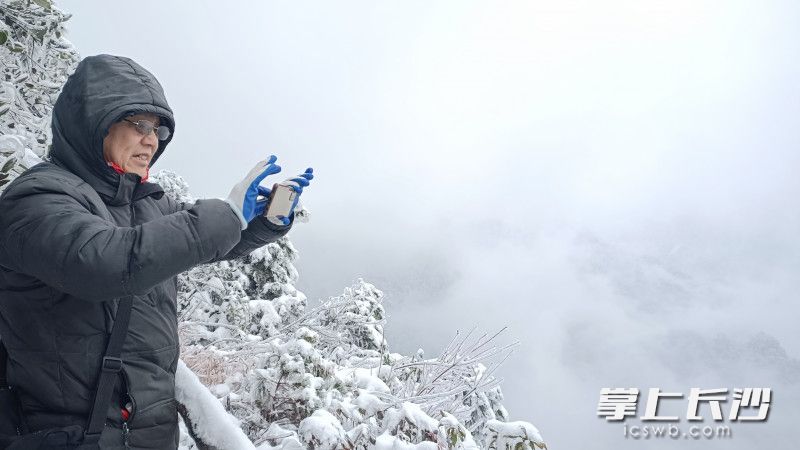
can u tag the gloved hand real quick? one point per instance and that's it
(297, 184)
(243, 196)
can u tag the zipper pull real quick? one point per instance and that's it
(125, 432)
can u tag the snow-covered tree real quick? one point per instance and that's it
(35, 61)
(262, 367)
(323, 375)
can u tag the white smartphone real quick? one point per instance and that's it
(281, 201)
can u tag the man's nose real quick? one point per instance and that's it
(150, 140)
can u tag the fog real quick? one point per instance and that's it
(614, 181)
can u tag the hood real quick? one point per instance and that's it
(102, 90)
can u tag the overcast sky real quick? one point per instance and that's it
(614, 181)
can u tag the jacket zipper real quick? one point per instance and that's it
(125, 429)
(125, 432)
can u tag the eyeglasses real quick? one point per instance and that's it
(145, 127)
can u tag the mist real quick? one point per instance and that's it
(615, 183)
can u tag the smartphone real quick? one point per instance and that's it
(281, 201)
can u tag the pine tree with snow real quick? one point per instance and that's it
(275, 302)
(174, 185)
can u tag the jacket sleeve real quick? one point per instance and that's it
(49, 232)
(259, 232)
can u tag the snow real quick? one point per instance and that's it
(209, 419)
(504, 434)
(454, 434)
(7, 93)
(27, 93)
(363, 379)
(388, 442)
(269, 317)
(322, 431)
(220, 390)
(215, 284)
(413, 415)
(30, 159)
(369, 403)
(282, 438)
(10, 144)
(296, 376)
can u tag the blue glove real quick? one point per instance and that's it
(243, 197)
(297, 184)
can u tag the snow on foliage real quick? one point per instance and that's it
(269, 371)
(209, 420)
(174, 184)
(36, 61)
(322, 376)
(322, 431)
(502, 435)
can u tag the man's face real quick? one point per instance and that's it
(128, 148)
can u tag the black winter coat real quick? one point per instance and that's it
(75, 236)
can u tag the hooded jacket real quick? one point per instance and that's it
(76, 236)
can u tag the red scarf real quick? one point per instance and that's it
(120, 171)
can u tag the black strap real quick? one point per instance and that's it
(109, 369)
(3, 359)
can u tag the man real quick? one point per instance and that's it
(86, 230)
